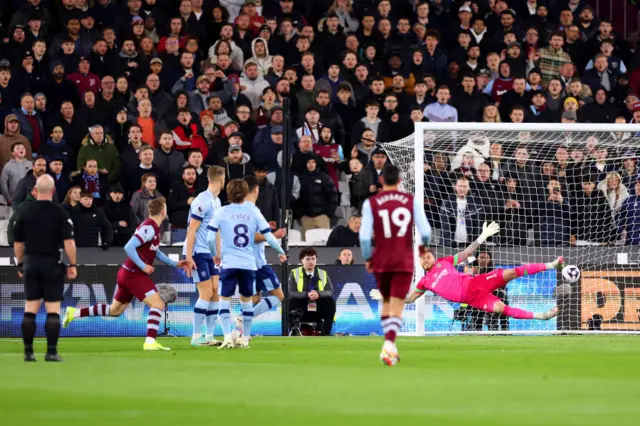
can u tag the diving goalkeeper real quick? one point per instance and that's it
(443, 279)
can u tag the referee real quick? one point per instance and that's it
(39, 233)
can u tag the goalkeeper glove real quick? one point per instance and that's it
(487, 231)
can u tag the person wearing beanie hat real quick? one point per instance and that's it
(120, 215)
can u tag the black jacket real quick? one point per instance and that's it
(177, 205)
(115, 213)
(343, 236)
(318, 195)
(171, 164)
(133, 178)
(511, 99)
(591, 218)
(268, 201)
(470, 106)
(89, 224)
(103, 179)
(598, 113)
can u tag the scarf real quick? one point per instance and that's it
(91, 184)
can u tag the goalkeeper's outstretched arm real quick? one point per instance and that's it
(487, 231)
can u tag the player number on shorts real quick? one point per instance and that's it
(401, 217)
(242, 238)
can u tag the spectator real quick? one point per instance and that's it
(91, 181)
(72, 198)
(145, 165)
(318, 198)
(330, 152)
(14, 171)
(515, 212)
(267, 150)
(345, 257)
(311, 291)
(167, 158)
(614, 191)
(461, 216)
(628, 219)
(141, 198)
(84, 79)
(555, 215)
(311, 125)
(30, 122)
(99, 147)
(592, 220)
(551, 58)
(360, 184)
(522, 170)
(195, 159)
(379, 159)
(372, 122)
(59, 175)
(267, 201)
(92, 228)
(346, 236)
(186, 134)
(11, 136)
(600, 111)
(118, 212)
(182, 194)
(468, 102)
(517, 96)
(600, 76)
(57, 147)
(537, 111)
(28, 182)
(306, 152)
(253, 83)
(441, 111)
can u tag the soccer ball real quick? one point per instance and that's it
(570, 274)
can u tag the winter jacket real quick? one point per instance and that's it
(27, 130)
(329, 118)
(267, 151)
(139, 203)
(12, 173)
(23, 190)
(60, 151)
(591, 218)
(99, 197)
(359, 188)
(554, 224)
(253, 89)
(470, 106)
(436, 64)
(592, 79)
(170, 163)
(105, 153)
(177, 205)
(379, 128)
(263, 63)
(473, 218)
(132, 179)
(237, 57)
(598, 113)
(628, 219)
(89, 224)
(343, 236)
(9, 139)
(318, 195)
(116, 213)
(61, 181)
(198, 101)
(268, 201)
(186, 138)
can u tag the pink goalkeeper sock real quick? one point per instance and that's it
(517, 313)
(530, 269)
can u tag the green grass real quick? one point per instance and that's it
(542, 381)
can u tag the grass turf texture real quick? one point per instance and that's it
(471, 380)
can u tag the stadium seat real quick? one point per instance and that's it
(317, 237)
(295, 238)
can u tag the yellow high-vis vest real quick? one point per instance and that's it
(299, 274)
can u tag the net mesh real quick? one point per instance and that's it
(570, 194)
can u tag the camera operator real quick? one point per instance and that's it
(311, 291)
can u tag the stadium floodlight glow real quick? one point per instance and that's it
(572, 224)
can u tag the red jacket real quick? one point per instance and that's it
(85, 83)
(182, 142)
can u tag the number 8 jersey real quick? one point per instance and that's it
(391, 213)
(238, 225)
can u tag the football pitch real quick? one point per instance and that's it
(470, 380)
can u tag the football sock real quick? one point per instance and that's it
(247, 318)
(265, 305)
(391, 327)
(99, 310)
(517, 313)
(225, 316)
(28, 331)
(199, 316)
(212, 319)
(531, 268)
(52, 329)
(153, 324)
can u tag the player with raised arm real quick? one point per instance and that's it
(238, 223)
(443, 278)
(196, 250)
(266, 280)
(391, 214)
(133, 277)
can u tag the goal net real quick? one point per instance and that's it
(556, 190)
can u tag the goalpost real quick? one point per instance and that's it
(556, 190)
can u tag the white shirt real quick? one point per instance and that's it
(461, 227)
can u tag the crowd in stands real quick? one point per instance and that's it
(124, 101)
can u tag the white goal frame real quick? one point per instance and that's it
(422, 127)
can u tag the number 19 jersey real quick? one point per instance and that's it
(238, 224)
(392, 213)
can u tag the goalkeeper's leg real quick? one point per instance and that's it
(99, 310)
(501, 308)
(530, 269)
